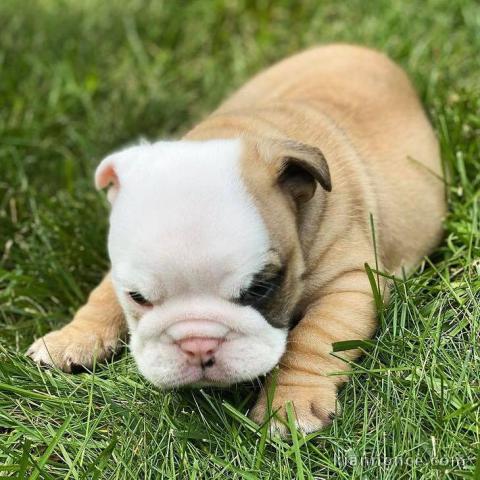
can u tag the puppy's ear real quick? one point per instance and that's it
(106, 175)
(301, 168)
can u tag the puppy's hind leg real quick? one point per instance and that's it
(94, 334)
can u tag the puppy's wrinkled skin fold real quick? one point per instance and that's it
(322, 143)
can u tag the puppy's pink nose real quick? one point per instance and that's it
(200, 350)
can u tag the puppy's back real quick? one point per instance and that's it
(372, 101)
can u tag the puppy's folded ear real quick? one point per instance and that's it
(301, 168)
(108, 171)
(106, 175)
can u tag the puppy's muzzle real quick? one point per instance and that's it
(204, 340)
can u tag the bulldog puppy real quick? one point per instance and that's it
(258, 220)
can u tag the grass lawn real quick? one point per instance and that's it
(78, 79)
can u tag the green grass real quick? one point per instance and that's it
(78, 79)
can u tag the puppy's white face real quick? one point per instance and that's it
(186, 242)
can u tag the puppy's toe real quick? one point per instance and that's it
(314, 408)
(47, 351)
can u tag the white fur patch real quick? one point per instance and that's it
(185, 233)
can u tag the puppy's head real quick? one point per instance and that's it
(205, 253)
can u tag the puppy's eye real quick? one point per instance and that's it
(261, 289)
(256, 294)
(139, 299)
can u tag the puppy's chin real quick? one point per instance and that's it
(248, 346)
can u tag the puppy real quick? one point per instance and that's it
(261, 217)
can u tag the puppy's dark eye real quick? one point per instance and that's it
(256, 294)
(140, 299)
(261, 289)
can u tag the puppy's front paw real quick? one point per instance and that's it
(69, 348)
(314, 408)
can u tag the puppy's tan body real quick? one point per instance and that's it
(361, 111)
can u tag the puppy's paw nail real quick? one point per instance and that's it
(76, 368)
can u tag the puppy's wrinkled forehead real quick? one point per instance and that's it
(182, 216)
